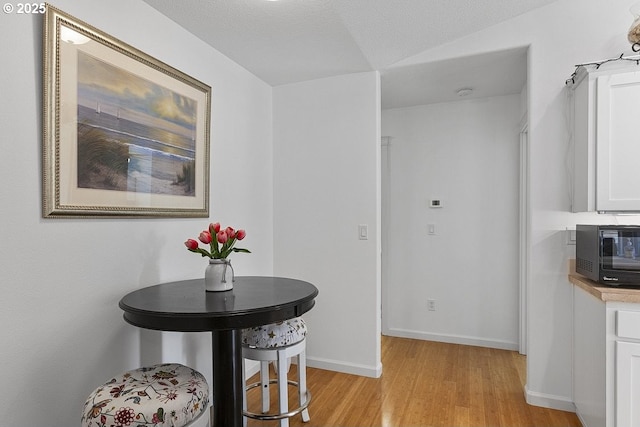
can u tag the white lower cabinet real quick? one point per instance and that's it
(606, 361)
(628, 368)
(590, 359)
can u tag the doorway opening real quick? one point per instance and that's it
(455, 202)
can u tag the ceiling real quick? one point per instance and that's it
(289, 41)
(489, 74)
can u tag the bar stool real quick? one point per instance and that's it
(277, 343)
(164, 395)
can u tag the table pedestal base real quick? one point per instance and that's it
(227, 378)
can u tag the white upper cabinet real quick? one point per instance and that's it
(606, 138)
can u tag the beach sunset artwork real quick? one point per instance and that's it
(133, 135)
(124, 134)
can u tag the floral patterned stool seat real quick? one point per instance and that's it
(165, 395)
(277, 343)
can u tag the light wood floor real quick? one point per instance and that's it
(424, 383)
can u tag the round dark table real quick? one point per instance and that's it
(185, 306)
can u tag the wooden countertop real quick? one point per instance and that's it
(603, 293)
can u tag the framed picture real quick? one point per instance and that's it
(124, 133)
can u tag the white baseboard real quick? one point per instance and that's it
(376, 371)
(345, 367)
(582, 420)
(550, 401)
(252, 367)
(452, 339)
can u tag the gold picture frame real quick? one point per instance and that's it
(124, 134)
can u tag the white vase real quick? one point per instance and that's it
(219, 275)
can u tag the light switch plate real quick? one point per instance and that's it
(363, 232)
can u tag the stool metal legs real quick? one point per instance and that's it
(280, 357)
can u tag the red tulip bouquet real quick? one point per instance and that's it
(214, 237)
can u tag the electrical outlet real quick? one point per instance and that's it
(431, 305)
(571, 236)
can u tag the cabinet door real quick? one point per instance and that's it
(618, 142)
(627, 384)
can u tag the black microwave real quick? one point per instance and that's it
(609, 254)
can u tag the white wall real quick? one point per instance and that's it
(62, 332)
(326, 183)
(465, 154)
(560, 35)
